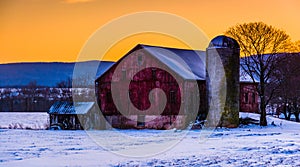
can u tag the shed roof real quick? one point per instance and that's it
(71, 108)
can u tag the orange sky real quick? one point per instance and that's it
(56, 30)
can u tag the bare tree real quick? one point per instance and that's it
(30, 94)
(65, 84)
(259, 43)
(83, 81)
(296, 46)
(287, 94)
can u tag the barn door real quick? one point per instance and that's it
(141, 121)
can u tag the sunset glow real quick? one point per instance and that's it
(56, 30)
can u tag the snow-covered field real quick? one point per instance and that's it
(245, 146)
(24, 120)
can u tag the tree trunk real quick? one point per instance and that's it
(297, 117)
(263, 119)
(289, 111)
(285, 111)
(263, 114)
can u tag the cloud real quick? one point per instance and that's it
(77, 1)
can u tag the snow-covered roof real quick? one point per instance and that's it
(244, 77)
(189, 64)
(70, 108)
(195, 62)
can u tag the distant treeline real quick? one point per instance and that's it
(39, 99)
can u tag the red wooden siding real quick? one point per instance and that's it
(248, 97)
(145, 73)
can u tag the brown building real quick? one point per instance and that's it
(248, 97)
(125, 91)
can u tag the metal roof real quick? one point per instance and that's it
(224, 41)
(194, 59)
(70, 108)
(189, 64)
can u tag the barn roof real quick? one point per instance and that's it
(194, 59)
(189, 64)
(70, 108)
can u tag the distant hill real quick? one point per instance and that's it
(45, 74)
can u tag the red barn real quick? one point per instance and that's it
(125, 91)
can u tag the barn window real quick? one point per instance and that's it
(140, 59)
(172, 96)
(123, 74)
(253, 97)
(108, 97)
(153, 73)
(246, 98)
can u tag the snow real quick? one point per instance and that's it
(189, 64)
(248, 145)
(22, 120)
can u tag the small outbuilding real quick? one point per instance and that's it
(249, 97)
(74, 116)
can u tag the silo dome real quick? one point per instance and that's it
(224, 42)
